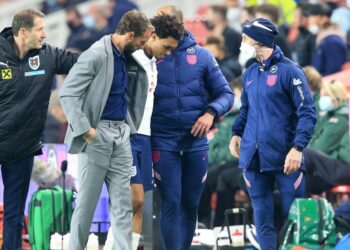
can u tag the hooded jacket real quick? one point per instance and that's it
(330, 52)
(277, 112)
(189, 82)
(25, 88)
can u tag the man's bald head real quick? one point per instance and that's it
(171, 10)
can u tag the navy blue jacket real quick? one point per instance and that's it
(330, 55)
(189, 82)
(277, 112)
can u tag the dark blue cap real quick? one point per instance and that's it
(262, 31)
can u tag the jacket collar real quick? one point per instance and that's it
(186, 42)
(277, 55)
(107, 40)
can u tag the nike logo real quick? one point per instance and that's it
(297, 82)
(249, 82)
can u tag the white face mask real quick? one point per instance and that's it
(314, 29)
(233, 14)
(237, 104)
(247, 52)
(89, 22)
(326, 103)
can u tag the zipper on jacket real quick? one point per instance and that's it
(258, 117)
(177, 93)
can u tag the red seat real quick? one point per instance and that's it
(339, 194)
(197, 28)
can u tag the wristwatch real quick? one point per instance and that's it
(298, 148)
(211, 111)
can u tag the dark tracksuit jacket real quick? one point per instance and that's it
(25, 87)
(277, 113)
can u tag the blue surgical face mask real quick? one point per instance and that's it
(325, 103)
(89, 22)
(237, 104)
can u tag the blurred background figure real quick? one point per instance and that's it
(56, 122)
(81, 37)
(247, 14)
(50, 6)
(230, 68)
(300, 39)
(340, 14)
(334, 119)
(330, 51)
(314, 79)
(45, 174)
(119, 8)
(234, 9)
(99, 13)
(218, 24)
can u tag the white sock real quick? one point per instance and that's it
(135, 240)
(109, 245)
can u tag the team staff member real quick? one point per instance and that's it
(93, 98)
(142, 71)
(191, 91)
(275, 123)
(27, 66)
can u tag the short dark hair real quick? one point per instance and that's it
(250, 10)
(168, 26)
(74, 10)
(218, 41)
(304, 8)
(269, 10)
(133, 21)
(219, 9)
(25, 19)
(320, 10)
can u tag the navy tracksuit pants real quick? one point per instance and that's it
(16, 179)
(180, 178)
(260, 187)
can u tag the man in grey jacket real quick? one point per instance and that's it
(94, 100)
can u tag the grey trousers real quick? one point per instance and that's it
(106, 159)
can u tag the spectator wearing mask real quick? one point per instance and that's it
(217, 23)
(80, 38)
(230, 68)
(334, 123)
(234, 10)
(330, 51)
(340, 14)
